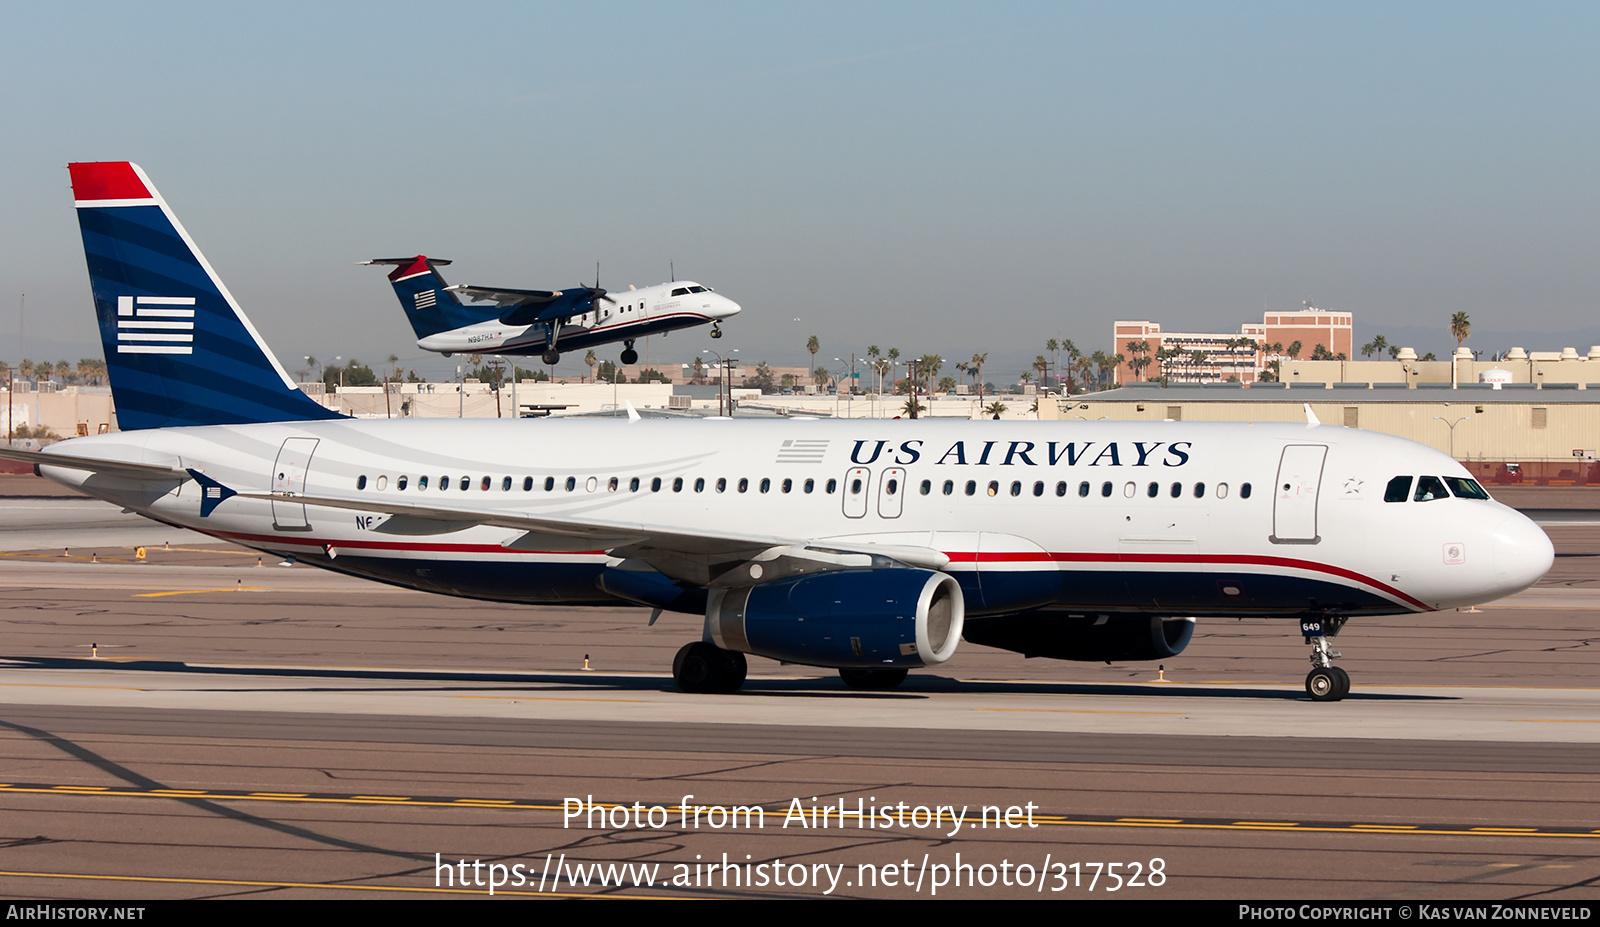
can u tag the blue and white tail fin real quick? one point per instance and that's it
(429, 304)
(178, 348)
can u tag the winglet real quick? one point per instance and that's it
(633, 414)
(212, 492)
(1311, 417)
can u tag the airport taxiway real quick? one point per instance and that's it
(267, 731)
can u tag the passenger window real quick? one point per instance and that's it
(832, 485)
(949, 487)
(527, 483)
(1016, 488)
(572, 483)
(361, 482)
(677, 484)
(505, 484)
(699, 484)
(927, 487)
(788, 484)
(1153, 490)
(1222, 490)
(383, 483)
(549, 484)
(810, 485)
(487, 482)
(1465, 489)
(1061, 488)
(722, 484)
(611, 486)
(994, 487)
(972, 487)
(1398, 490)
(1083, 490)
(1038, 488)
(444, 483)
(655, 484)
(855, 487)
(400, 483)
(1128, 490)
(1244, 490)
(1199, 490)
(893, 487)
(1105, 489)
(633, 485)
(1177, 490)
(466, 483)
(766, 484)
(1429, 488)
(422, 482)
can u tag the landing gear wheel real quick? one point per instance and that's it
(703, 667)
(630, 357)
(857, 678)
(1327, 684)
(716, 331)
(552, 356)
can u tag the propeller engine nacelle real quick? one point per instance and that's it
(847, 618)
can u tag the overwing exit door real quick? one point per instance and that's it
(289, 480)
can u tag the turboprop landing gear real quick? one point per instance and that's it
(704, 667)
(552, 335)
(629, 355)
(716, 329)
(552, 356)
(857, 678)
(1325, 682)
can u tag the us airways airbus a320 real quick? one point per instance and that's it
(544, 322)
(868, 546)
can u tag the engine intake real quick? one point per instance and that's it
(848, 618)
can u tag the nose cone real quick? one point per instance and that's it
(1522, 553)
(723, 307)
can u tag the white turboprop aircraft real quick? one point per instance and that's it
(545, 322)
(869, 546)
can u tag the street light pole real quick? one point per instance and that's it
(1452, 425)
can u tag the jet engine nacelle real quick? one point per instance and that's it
(847, 618)
(1084, 637)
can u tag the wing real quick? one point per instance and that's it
(526, 307)
(723, 559)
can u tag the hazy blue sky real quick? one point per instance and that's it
(944, 178)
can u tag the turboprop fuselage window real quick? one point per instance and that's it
(699, 484)
(612, 484)
(810, 485)
(487, 482)
(744, 484)
(1429, 488)
(655, 484)
(722, 484)
(361, 482)
(1398, 490)
(1465, 489)
(572, 483)
(1244, 490)
(422, 482)
(505, 484)
(400, 483)
(549, 484)
(466, 483)
(527, 484)
(444, 483)
(677, 484)
(788, 484)
(383, 482)
(633, 485)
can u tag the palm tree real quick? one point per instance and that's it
(1460, 327)
(994, 409)
(1043, 366)
(591, 360)
(872, 361)
(813, 345)
(977, 362)
(1052, 346)
(894, 357)
(1294, 349)
(1139, 350)
(928, 366)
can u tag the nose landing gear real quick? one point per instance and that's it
(629, 355)
(716, 329)
(1325, 682)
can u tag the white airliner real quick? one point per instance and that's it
(869, 546)
(545, 322)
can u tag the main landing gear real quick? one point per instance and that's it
(716, 329)
(552, 334)
(705, 667)
(1325, 682)
(629, 355)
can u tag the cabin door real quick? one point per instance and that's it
(1294, 506)
(289, 480)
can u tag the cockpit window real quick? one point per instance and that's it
(697, 289)
(1399, 489)
(1465, 489)
(1429, 488)
(681, 291)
